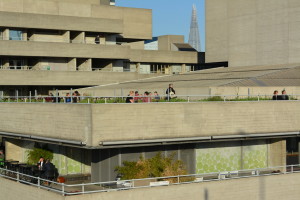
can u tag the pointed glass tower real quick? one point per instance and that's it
(194, 37)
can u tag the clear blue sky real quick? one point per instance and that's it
(171, 17)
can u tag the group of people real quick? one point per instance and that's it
(135, 97)
(57, 99)
(283, 95)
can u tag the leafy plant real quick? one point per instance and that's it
(37, 152)
(158, 166)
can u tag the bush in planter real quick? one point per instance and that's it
(158, 166)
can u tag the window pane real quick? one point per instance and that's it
(15, 35)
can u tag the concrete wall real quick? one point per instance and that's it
(51, 49)
(165, 42)
(267, 188)
(97, 123)
(66, 78)
(58, 22)
(247, 33)
(137, 23)
(163, 56)
(13, 190)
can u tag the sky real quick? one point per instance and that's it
(171, 17)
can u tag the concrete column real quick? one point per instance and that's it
(86, 65)
(138, 65)
(277, 153)
(183, 68)
(102, 40)
(72, 64)
(5, 63)
(79, 38)
(66, 36)
(6, 34)
(24, 35)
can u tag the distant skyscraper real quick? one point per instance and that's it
(194, 38)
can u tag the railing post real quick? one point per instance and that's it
(188, 99)
(178, 180)
(39, 182)
(63, 189)
(18, 177)
(105, 100)
(292, 168)
(258, 98)
(17, 94)
(82, 188)
(71, 93)
(224, 98)
(88, 100)
(30, 96)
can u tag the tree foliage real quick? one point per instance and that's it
(158, 166)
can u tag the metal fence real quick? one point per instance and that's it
(138, 99)
(75, 189)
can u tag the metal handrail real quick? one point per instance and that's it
(65, 189)
(147, 99)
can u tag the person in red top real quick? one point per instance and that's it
(146, 98)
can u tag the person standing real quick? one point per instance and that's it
(170, 92)
(284, 96)
(275, 95)
(130, 97)
(97, 39)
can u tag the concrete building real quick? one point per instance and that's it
(44, 50)
(41, 37)
(248, 33)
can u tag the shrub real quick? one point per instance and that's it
(158, 166)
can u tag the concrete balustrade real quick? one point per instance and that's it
(97, 123)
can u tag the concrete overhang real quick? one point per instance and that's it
(65, 50)
(58, 22)
(109, 125)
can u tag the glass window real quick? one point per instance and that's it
(15, 35)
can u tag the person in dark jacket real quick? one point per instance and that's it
(284, 96)
(170, 92)
(275, 95)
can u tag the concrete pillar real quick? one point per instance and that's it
(102, 40)
(183, 68)
(72, 64)
(138, 65)
(24, 35)
(277, 153)
(86, 65)
(66, 36)
(6, 34)
(79, 38)
(5, 63)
